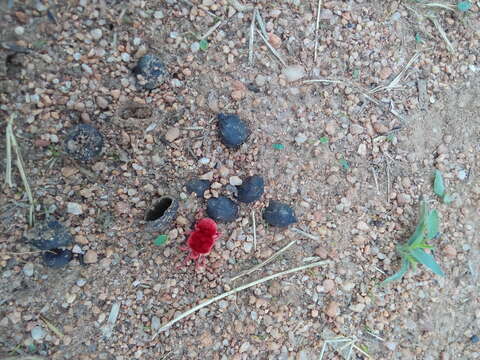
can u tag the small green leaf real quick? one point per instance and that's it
(418, 38)
(160, 240)
(432, 224)
(203, 44)
(447, 199)
(278, 146)
(344, 163)
(427, 260)
(438, 185)
(418, 236)
(399, 274)
(464, 6)
(324, 140)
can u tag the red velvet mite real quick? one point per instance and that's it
(201, 241)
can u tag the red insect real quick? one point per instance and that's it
(201, 241)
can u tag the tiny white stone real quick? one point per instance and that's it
(462, 175)
(235, 181)
(155, 323)
(19, 30)
(38, 333)
(137, 41)
(195, 47)
(77, 250)
(204, 161)
(87, 69)
(28, 269)
(158, 14)
(96, 34)
(247, 247)
(300, 139)
(293, 72)
(74, 208)
(126, 57)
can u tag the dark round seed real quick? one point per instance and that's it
(251, 189)
(57, 258)
(84, 142)
(150, 72)
(49, 235)
(198, 186)
(279, 214)
(222, 209)
(233, 131)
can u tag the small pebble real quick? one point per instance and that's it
(19, 30)
(222, 209)
(74, 208)
(158, 14)
(279, 214)
(475, 339)
(155, 323)
(150, 72)
(90, 257)
(235, 181)
(172, 134)
(233, 131)
(300, 139)
(37, 333)
(28, 269)
(332, 309)
(81, 282)
(84, 142)
(450, 251)
(293, 72)
(125, 57)
(96, 34)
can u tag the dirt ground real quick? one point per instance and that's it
(392, 102)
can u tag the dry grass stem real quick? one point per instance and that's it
(326, 81)
(211, 30)
(23, 357)
(8, 143)
(240, 7)
(303, 233)
(261, 23)
(439, 5)
(439, 27)
(272, 49)
(251, 40)
(51, 326)
(236, 290)
(254, 231)
(375, 179)
(317, 27)
(262, 264)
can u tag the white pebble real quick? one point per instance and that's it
(247, 247)
(294, 72)
(77, 56)
(96, 34)
(126, 57)
(38, 333)
(19, 30)
(195, 47)
(158, 14)
(87, 69)
(204, 161)
(74, 208)
(300, 139)
(462, 175)
(28, 269)
(155, 323)
(235, 181)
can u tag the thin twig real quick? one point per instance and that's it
(234, 291)
(211, 30)
(375, 179)
(240, 7)
(261, 23)
(326, 81)
(8, 170)
(303, 233)
(51, 326)
(388, 179)
(317, 27)
(442, 33)
(254, 231)
(262, 264)
(252, 38)
(271, 48)
(24, 357)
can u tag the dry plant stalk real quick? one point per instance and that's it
(234, 291)
(317, 27)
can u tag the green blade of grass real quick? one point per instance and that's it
(432, 224)
(427, 260)
(399, 274)
(438, 184)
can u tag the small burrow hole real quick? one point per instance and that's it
(158, 209)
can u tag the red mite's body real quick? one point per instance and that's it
(201, 240)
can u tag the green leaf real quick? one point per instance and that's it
(399, 274)
(464, 6)
(324, 140)
(203, 44)
(344, 163)
(438, 185)
(447, 199)
(160, 240)
(427, 260)
(278, 146)
(418, 38)
(432, 224)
